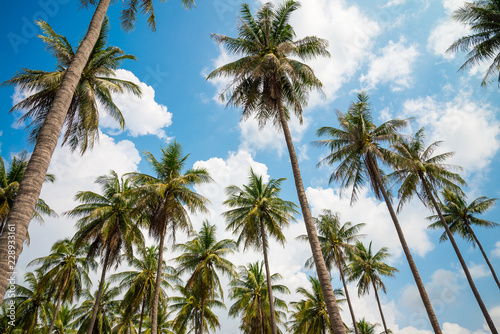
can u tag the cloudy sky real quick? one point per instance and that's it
(395, 50)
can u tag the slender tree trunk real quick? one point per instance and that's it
(156, 296)
(202, 315)
(406, 249)
(268, 278)
(321, 270)
(483, 252)
(486, 315)
(59, 297)
(31, 184)
(261, 315)
(380, 308)
(99, 293)
(341, 270)
(142, 314)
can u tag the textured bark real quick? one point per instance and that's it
(380, 308)
(142, 315)
(406, 249)
(341, 270)
(321, 270)
(262, 328)
(59, 297)
(31, 184)
(483, 252)
(486, 315)
(268, 278)
(202, 316)
(99, 293)
(156, 297)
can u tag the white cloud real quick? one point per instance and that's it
(443, 36)
(478, 270)
(392, 3)
(496, 251)
(394, 66)
(451, 5)
(143, 116)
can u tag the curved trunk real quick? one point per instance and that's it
(156, 296)
(341, 270)
(99, 293)
(268, 278)
(486, 315)
(483, 252)
(380, 308)
(142, 315)
(321, 270)
(406, 249)
(59, 297)
(31, 184)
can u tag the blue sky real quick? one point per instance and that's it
(392, 49)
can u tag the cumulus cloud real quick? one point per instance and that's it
(443, 36)
(496, 251)
(478, 270)
(393, 66)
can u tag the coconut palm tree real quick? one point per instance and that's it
(140, 284)
(364, 327)
(336, 241)
(202, 257)
(165, 325)
(309, 314)
(249, 290)
(64, 320)
(422, 173)
(257, 210)
(366, 268)
(106, 222)
(65, 273)
(481, 45)
(460, 217)
(164, 200)
(356, 146)
(9, 186)
(47, 139)
(269, 81)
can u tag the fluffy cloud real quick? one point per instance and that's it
(496, 251)
(394, 66)
(478, 270)
(443, 36)
(143, 115)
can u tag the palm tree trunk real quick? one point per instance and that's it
(156, 296)
(321, 270)
(99, 293)
(202, 315)
(31, 184)
(142, 315)
(406, 249)
(261, 315)
(380, 308)
(486, 315)
(341, 270)
(268, 278)
(59, 297)
(483, 252)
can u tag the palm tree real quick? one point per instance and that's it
(165, 199)
(257, 210)
(140, 284)
(482, 18)
(268, 82)
(190, 314)
(421, 173)
(364, 327)
(335, 239)
(460, 218)
(9, 186)
(203, 257)
(249, 290)
(30, 188)
(165, 325)
(107, 224)
(65, 273)
(357, 146)
(310, 314)
(64, 320)
(366, 268)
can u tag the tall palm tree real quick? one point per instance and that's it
(106, 222)
(422, 173)
(268, 82)
(65, 273)
(481, 45)
(460, 217)
(364, 327)
(202, 257)
(165, 325)
(309, 314)
(164, 200)
(336, 241)
(140, 284)
(257, 210)
(9, 186)
(356, 145)
(64, 320)
(249, 290)
(366, 268)
(30, 188)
